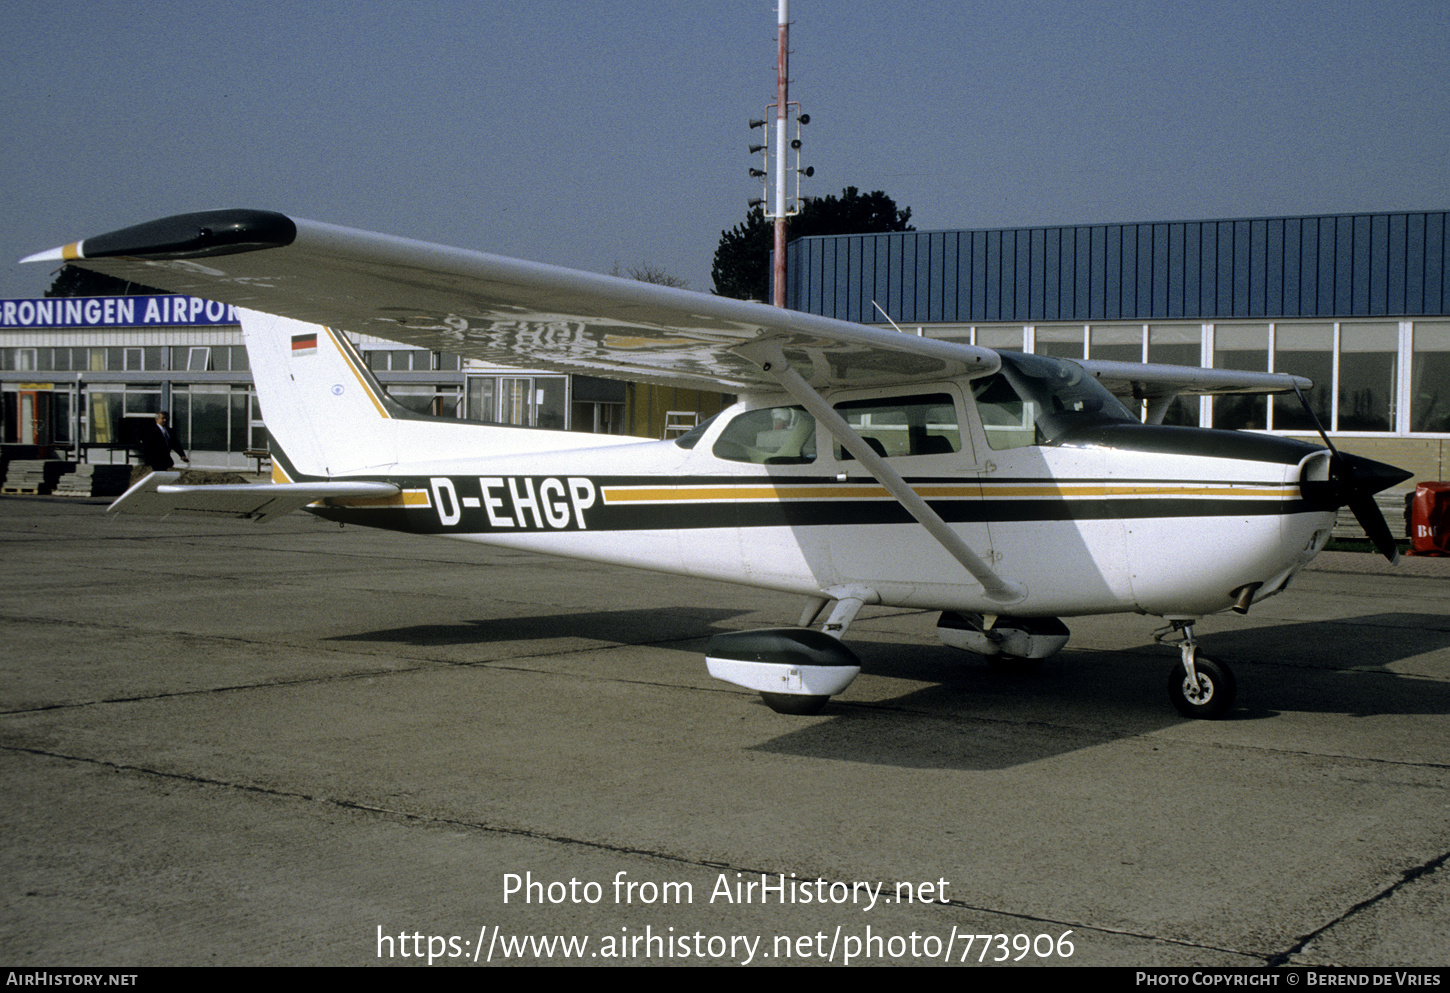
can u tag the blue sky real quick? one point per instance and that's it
(583, 133)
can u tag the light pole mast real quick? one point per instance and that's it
(781, 203)
(782, 103)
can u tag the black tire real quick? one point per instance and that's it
(1012, 666)
(1215, 694)
(798, 704)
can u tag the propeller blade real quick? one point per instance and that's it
(1372, 519)
(1358, 479)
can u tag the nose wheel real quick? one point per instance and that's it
(1198, 687)
(1205, 695)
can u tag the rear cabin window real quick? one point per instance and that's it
(909, 425)
(769, 436)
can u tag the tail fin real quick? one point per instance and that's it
(325, 411)
(329, 417)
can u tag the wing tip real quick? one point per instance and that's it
(183, 236)
(61, 253)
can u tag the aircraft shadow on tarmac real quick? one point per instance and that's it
(621, 627)
(978, 719)
(1343, 666)
(972, 717)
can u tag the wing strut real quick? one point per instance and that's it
(769, 356)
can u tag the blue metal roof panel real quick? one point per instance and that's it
(1346, 265)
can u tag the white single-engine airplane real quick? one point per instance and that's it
(860, 466)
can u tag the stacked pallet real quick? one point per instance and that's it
(27, 476)
(94, 480)
(1392, 505)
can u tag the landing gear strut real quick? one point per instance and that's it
(1199, 687)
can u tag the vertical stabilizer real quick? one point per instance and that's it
(325, 411)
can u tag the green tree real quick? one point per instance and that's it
(742, 259)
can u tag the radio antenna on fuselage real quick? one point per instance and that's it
(889, 320)
(888, 316)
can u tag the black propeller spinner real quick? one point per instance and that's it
(1353, 482)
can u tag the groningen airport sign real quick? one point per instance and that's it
(115, 312)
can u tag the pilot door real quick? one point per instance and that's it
(1050, 525)
(925, 437)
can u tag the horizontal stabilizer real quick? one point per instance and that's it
(160, 495)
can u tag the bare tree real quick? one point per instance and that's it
(646, 273)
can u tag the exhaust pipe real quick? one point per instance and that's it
(1244, 597)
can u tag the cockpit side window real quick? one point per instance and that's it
(924, 424)
(769, 436)
(1006, 418)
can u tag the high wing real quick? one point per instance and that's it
(1137, 381)
(503, 311)
(1159, 385)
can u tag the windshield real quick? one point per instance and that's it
(1035, 400)
(688, 439)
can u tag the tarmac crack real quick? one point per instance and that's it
(1301, 753)
(1406, 877)
(518, 664)
(515, 664)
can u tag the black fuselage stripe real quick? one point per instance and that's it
(757, 514)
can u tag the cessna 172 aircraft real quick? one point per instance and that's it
(859, 466)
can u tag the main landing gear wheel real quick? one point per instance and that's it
(798, 704)
(1213, 695)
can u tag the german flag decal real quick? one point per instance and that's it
(304, 344)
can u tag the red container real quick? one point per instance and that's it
(1430, 519)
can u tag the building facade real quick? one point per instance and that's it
(1358, 303)
(78, 375)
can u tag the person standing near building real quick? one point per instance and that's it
(157, 444)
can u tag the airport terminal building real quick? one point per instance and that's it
(1359, 303)
(79, 374)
